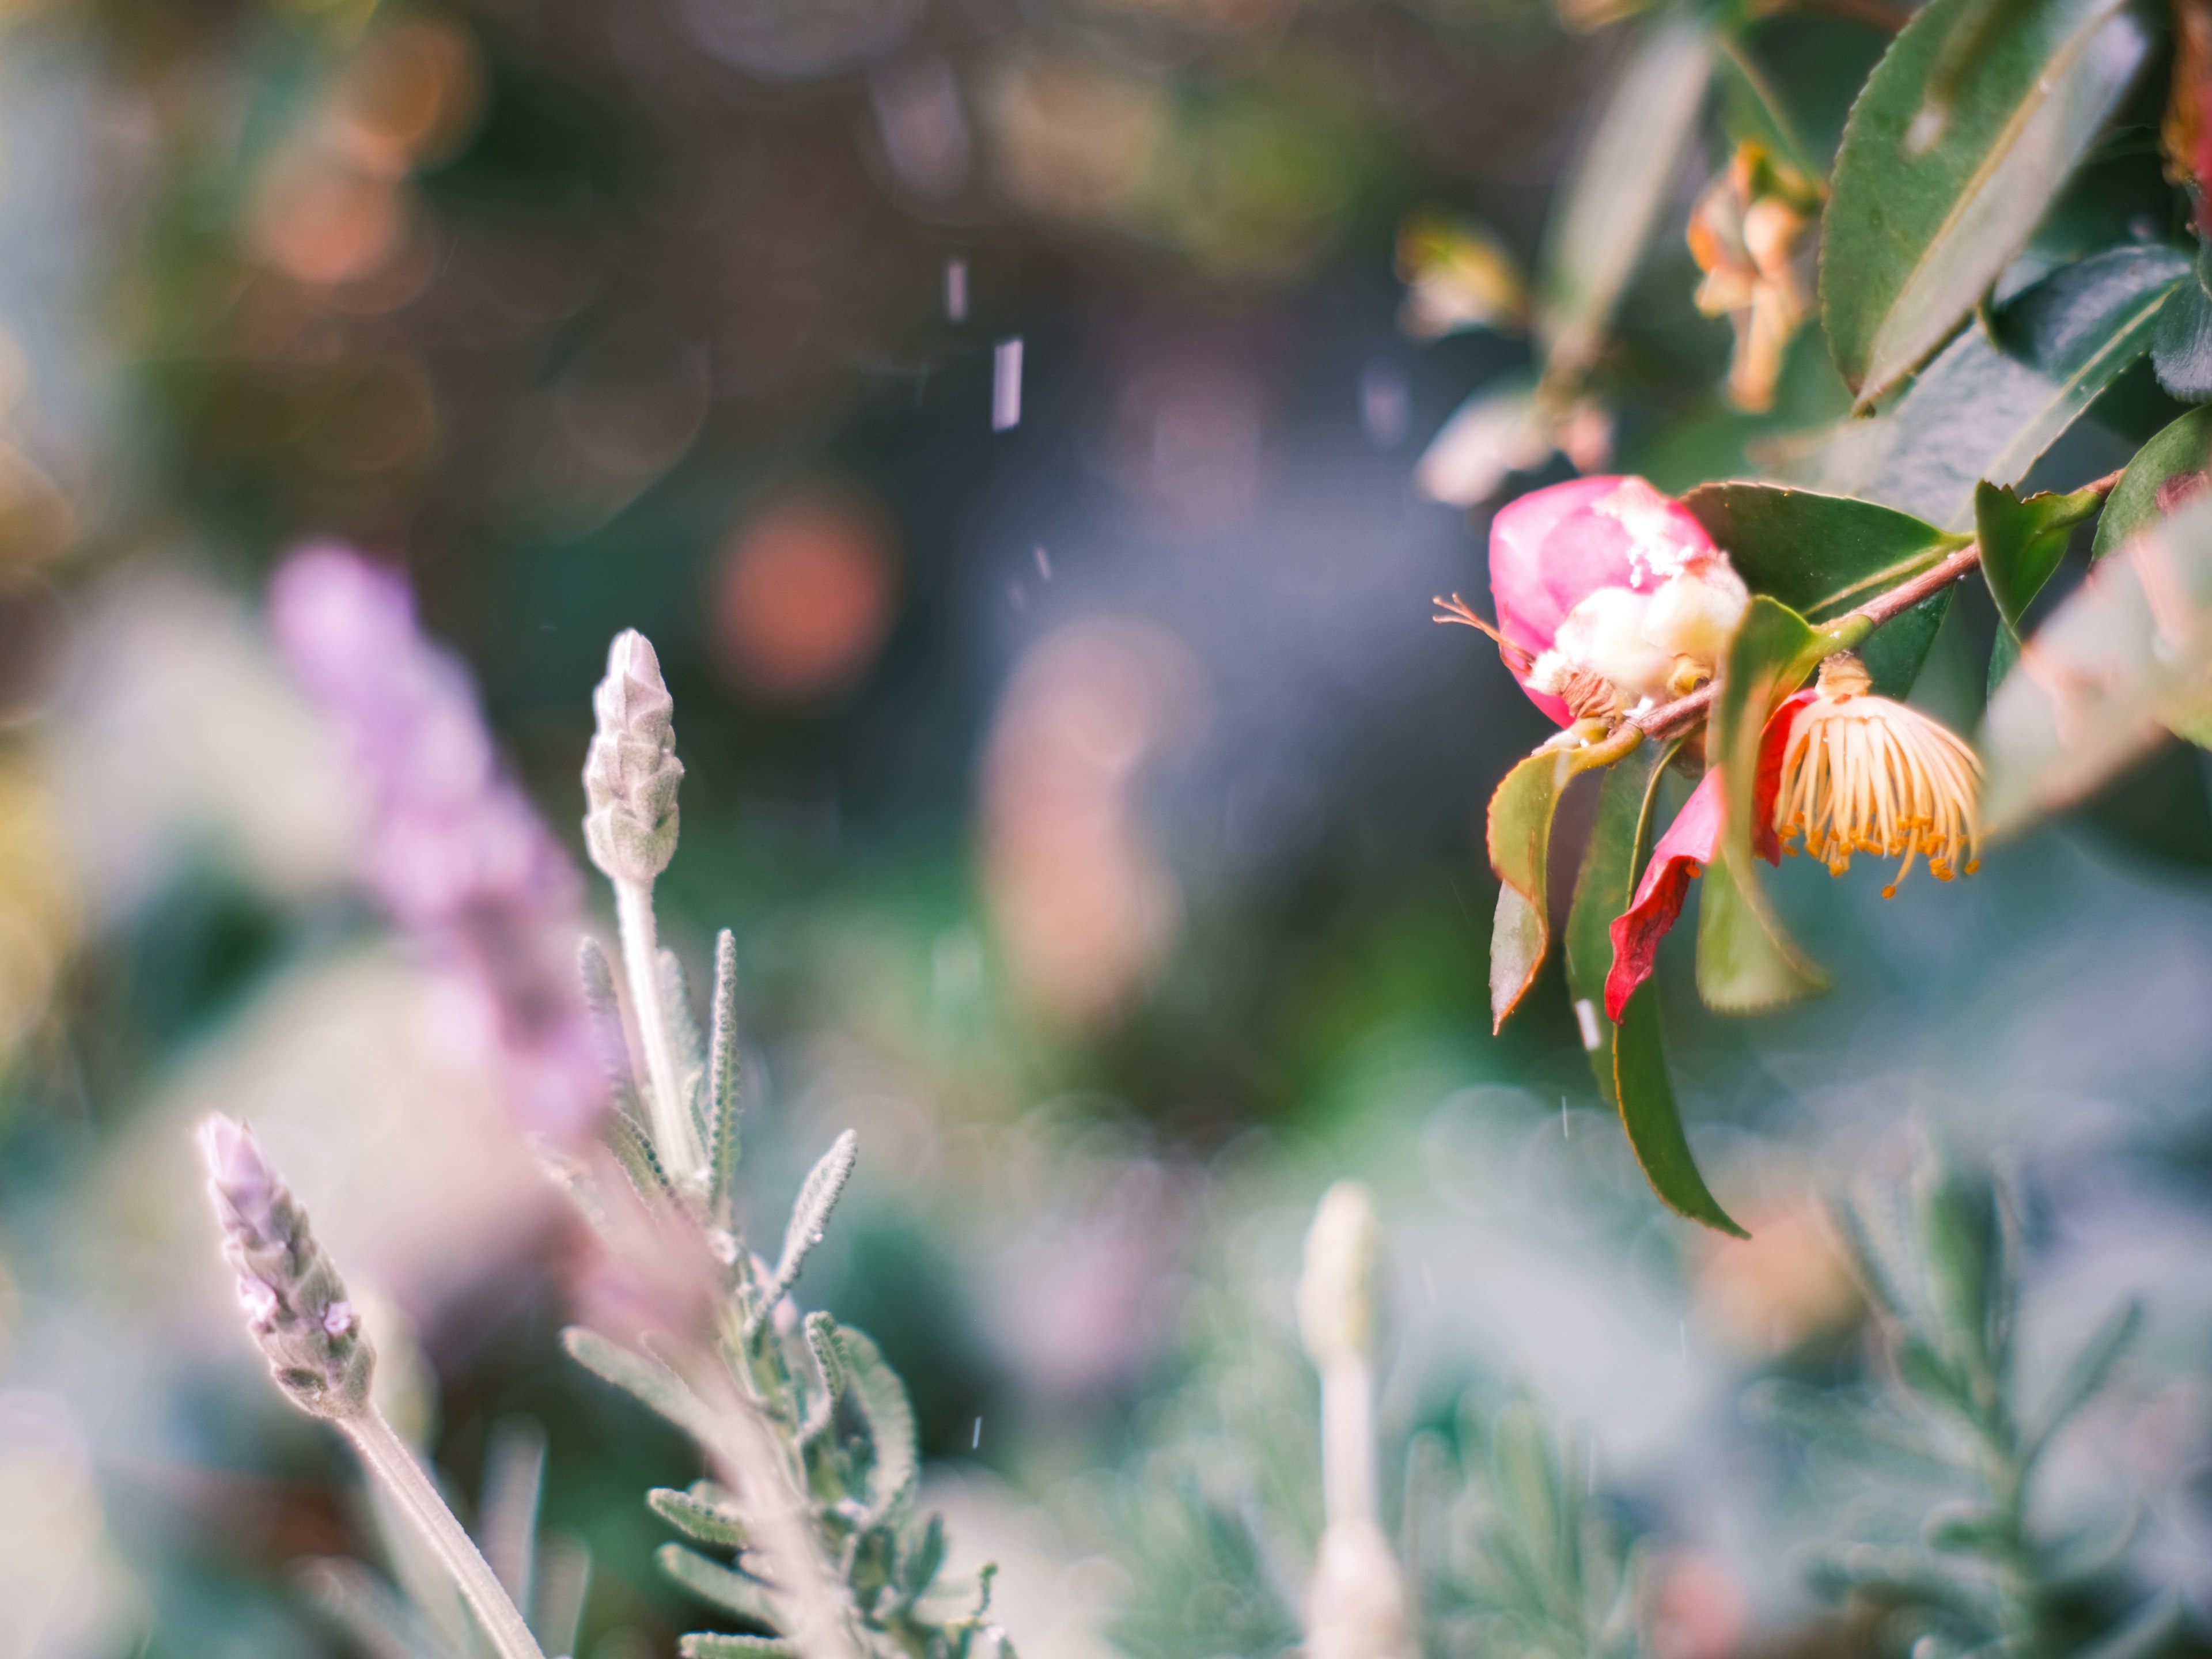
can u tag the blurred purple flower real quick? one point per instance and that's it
(456, 853)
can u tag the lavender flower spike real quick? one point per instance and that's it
(295, 1307)
(631, 774)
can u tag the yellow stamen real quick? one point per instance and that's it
(1860, 774)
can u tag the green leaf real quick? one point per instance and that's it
(1619, 186)
(710, 1581)
(1938, 186)
(810, 1214)
(1745, 961)
(1620, 839)
(604, 1013)
(2181, 353)
(712, 1644)
(633, 1149)
(2130, 647)
(882, 1404)
(2023, 540)
(1752, 112)
(2178, 450)
(1649, 1114)
(1630, 1060)
(2084, 1377)
(1992, 404)
(724, 1077)
(1519, 833)
(1824, 554)
(705, 1514)
(923, 1558)
(646, 1379)
(687, 1049)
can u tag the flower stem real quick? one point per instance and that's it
(1845, 634)
(392, 1466)
(671, 1117)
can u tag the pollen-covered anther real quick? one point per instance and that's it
(1860, 774)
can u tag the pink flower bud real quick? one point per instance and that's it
(1552, 548)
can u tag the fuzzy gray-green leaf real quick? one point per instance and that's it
(705, 1514)
(882, 1401)
(710, 1581)
(604, 1010)
(724, 1077)
(688, 1050)
(646, 1379)
(810, 1214)
(712, 1644)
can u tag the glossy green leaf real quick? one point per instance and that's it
(1629, 1060)
(1991, 405)
(1619, 186)
(1753, 112)
(2181, 352)
(2128, 649)
(2147, 490)
(1949, 161)
(1745, 960)
(1519, 837)
(2023, 540)
(1823, 554)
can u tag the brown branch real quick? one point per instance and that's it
(1672, 719)
(1679, 716)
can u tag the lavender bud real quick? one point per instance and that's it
(631, 774)
(296, 1310)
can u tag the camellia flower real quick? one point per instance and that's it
(1860, 774)
(1609, 594)
(1844, 770)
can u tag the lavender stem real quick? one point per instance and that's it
(392, 1464)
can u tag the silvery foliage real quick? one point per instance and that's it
(819, 1549)
(1944, 1556)
(1504, 1547)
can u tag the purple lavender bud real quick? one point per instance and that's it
(296, 1310)
(456, 853)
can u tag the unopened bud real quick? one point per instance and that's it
(296, 1309)
(631, 774)
(1337, 1292)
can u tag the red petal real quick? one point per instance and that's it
(1684, 850)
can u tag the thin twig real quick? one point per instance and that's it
(1674, 718)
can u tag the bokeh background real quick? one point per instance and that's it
(1096, 806)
